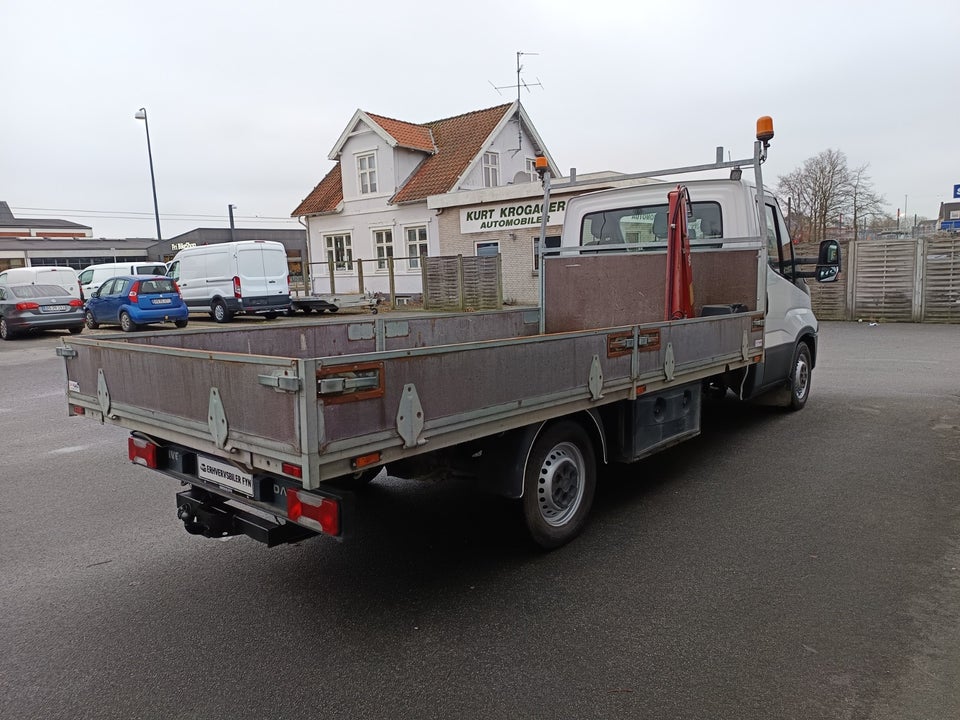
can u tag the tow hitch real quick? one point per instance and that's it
(209, 515)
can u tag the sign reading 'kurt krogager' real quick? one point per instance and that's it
(486, 218)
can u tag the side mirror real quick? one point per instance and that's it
(828, 261)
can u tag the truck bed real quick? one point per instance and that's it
(321, 394)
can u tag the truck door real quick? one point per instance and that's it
(789, 312)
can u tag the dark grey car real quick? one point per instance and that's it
(27, 308)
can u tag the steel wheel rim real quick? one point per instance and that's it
(560, 484)
(801, 378)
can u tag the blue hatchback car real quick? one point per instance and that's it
(133, 300)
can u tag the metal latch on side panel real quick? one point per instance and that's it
(281, 383)
(217, 419)
(410, 417)
(348, 383)
(66, 352)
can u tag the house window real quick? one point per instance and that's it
(416, 245)
(536, 249)
(367, 173)
(383, 244)
(340, 250)
(491, 169)
(532, 169)
(488, 249)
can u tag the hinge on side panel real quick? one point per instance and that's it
(410, 417)
(282, 383)
(66, 352)
(745, 346)
(669, 363)
(103, 393)
(595, 381)
(217, 419)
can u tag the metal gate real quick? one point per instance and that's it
(885, 280)
(894, 281)
(941, 280)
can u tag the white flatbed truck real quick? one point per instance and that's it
(268, 428)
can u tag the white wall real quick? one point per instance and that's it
(361, 228)
(510, 162)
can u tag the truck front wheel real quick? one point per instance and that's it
(559, 483)
(800, 374)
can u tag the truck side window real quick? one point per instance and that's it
(779, 249)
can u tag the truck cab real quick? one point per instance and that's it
(722, 215)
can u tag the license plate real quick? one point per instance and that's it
(225, 475)
(54, 308)
(162, 301)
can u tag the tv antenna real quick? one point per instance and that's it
(520, 84)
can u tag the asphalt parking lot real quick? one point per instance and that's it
(781, 565)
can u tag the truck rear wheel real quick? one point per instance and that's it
(559, 483)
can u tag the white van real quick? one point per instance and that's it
(65, 277)
(226, 279)
(93, 276)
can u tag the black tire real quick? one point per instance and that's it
(559, 483)
(89, 320)
(76, 330)
(801, 373)
(5, 332)
(333, 308)
(180, 323)
(270, 316)
(126, 322)
(221, 313)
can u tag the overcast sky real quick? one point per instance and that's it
(246, 100)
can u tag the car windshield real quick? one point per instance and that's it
(35, 291)
(160, 285)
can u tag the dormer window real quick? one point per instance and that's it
(367, 173)
(491, 169)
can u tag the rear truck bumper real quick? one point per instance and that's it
(272, 509)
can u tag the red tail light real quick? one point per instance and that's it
(317, 513)
(28, 306)
(134, 289)
(142, 452)
(176, 287)
(76, 303)
(236, 287)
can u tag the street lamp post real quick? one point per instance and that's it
(233, 233)
(142, 115)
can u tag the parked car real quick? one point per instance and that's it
(93, 276)
(65, 277)
(31, 308)
(133, 300)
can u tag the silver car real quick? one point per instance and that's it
(30, 308)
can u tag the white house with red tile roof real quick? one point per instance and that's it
(372, 204)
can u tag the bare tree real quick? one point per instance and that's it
(824, 190)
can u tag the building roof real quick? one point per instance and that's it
(408, 135)
(459, 140)
(7, 219)
(75, 244)
(946, 209)
(325, 197)
(451, 144)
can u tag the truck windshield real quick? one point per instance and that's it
(648, 225)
